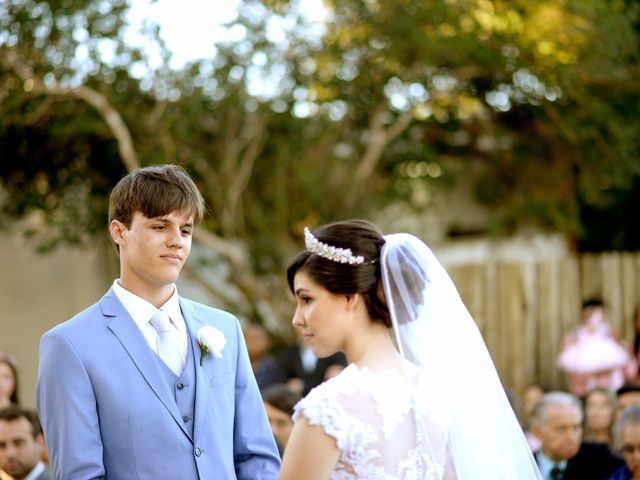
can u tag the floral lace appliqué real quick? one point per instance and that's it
(362, 410)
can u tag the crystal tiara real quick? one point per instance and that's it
(340, 255)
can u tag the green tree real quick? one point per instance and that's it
(541, 97)
(298, 122)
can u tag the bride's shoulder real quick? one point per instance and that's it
(334, 390)
(335, 384)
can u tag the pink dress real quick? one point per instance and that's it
(593, 358)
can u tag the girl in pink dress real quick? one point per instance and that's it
(591, 356)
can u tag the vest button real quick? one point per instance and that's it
(198, 452)
(180, 386)
(185, 419)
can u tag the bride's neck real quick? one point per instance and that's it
(372, 347)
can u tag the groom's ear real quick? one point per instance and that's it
(116, 230)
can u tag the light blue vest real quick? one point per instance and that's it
(183, 387)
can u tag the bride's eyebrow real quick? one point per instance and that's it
(300, 290)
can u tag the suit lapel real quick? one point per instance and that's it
(202, 392)
(133, 341)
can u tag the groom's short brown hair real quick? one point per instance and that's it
(155, 191)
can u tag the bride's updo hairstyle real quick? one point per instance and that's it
(355, 275)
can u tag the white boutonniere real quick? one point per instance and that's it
(211, 340)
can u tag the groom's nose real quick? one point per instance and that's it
(175, 237)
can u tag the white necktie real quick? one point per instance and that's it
(168, 341)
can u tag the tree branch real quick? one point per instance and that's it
(110, 115)
(243, 173)
(380, 138)
(94, 98)
(229, 250)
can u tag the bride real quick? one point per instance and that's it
(420, 398)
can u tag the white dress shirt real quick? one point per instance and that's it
(308, 358)
(141, 311)
(36, 472)
(546, 465)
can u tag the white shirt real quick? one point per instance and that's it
(546, 465)
(36, 472)
(141, 311)
(308, 358)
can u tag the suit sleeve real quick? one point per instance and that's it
(255, 452)
(68, 410)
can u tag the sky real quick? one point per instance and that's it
(190, 27)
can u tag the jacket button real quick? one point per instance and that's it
(198, 452)
(180, 386)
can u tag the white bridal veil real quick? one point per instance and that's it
(435, 331)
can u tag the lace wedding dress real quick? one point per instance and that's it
(386, 426)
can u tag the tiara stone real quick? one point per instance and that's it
(340, 255)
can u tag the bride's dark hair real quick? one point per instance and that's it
(362, 238)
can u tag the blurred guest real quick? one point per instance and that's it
(21, 444)
(591, 356)
(635, 319)
(627, 440)
(514, 401)
(599, 414)
(627, 395)
(332, 371)
(279, 401)
(302, 370)
(531, 395)
(265, 368)
(8, 380)
(556, 421)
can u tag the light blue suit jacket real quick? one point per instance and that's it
(108, 412)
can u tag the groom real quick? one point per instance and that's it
(125, 388)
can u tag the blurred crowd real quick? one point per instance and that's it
(23, 454)
(590, 431)
(285, 378)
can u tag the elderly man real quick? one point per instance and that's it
(556, 421)
(627, 438)
(21, 444)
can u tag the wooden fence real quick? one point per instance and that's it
(524, 309)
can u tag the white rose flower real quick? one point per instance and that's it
(211, 340)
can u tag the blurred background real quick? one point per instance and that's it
(504, 133)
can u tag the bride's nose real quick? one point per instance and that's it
(297, 320)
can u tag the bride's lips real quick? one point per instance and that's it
(307, 336)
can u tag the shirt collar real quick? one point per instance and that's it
(546, 464)
(141, 310)
(36, 472)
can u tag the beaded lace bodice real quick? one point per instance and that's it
(385, 426)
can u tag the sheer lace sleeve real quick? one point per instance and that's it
(378, 429)
(325, 406)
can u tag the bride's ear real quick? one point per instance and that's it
(352, 300)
